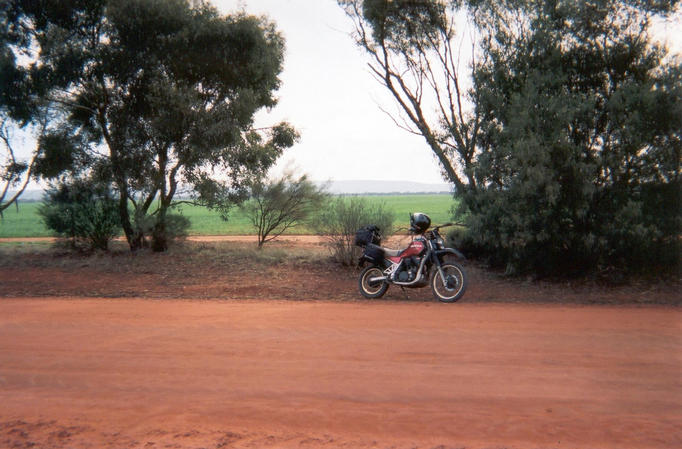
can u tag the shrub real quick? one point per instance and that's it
(577, 168)
(618, 234)
(161, 232)
(82, 210)
(281, 204)
(342, 217)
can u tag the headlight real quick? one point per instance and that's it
(440, 243)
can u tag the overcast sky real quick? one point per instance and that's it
(329, 95)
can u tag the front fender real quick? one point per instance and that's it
(449, 251)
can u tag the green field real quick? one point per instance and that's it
(25, 222)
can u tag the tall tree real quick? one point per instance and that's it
(580, 147)
(413, 52)
(164, 92)
(566, 151)
(16, 110)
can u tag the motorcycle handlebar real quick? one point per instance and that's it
(445, 225)
(459, 223)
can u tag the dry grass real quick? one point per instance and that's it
(119, 257)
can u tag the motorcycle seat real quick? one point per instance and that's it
(392, 252)
(385, 251)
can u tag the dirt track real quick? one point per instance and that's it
(131, 373)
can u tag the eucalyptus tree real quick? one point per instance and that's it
(159, 95)
(415, 53)
(579, 149)
(16, 111)
(565, 152)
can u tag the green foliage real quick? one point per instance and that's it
(342, 217)
(24, 103)
(169, 87)
(404, 24)
(569, 136)
(161, 231)
(579, 165)
(82, 210)
(279, 205)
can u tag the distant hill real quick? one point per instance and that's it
(28, 195)
(384, 187)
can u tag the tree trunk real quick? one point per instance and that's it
(160, 233)
(133, 238)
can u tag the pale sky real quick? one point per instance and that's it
(328, 94)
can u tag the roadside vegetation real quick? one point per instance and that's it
(563, 154)
(145, 97)
(565, 150)
(340, 219)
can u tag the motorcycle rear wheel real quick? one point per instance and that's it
(369, 289)
(454, 285)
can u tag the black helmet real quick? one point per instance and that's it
(419, 222)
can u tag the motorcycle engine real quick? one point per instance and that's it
(404, 276)
(409, 272)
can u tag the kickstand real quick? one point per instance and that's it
(405, 291)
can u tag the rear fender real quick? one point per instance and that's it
(368, 260)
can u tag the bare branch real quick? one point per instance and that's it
(416, 71)
(404, 126)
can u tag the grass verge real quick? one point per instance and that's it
(24, 220)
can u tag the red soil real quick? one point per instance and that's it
(171, 373)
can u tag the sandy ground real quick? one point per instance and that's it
(159, 373)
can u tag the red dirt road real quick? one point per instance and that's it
(130, 373)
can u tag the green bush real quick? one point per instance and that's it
(82, 211)
(161, 232)
(342, 217)
(614, 233)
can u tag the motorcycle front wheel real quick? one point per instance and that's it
(372, 289)
(453, 286)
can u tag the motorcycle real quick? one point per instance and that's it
(422, 263)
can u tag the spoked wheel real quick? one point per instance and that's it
(372, 288)
(453, 286)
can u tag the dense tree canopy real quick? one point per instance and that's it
(15, 111)
(580, 145)
(566, 151)
(155, 94)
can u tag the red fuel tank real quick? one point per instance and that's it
(415, 249)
